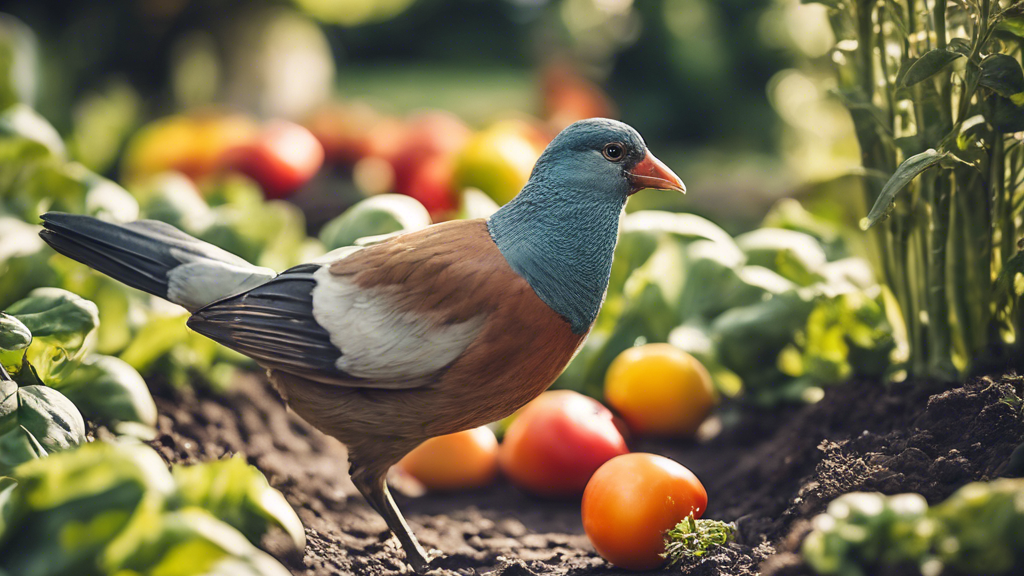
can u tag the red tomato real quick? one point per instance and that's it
(557, 442)
(430, 182)
(283, 158)
(467, 459)
(632, 500)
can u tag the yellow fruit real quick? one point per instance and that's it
(498, 160)
(192, 145)
(659, 390)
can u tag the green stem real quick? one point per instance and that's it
(963, 267)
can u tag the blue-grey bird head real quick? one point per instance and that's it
(560, 232)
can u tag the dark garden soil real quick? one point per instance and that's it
(770, 474)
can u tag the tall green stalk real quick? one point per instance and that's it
(944, 226)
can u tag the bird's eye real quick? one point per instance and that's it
(614, 151)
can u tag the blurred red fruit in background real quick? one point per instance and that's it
(283, 157)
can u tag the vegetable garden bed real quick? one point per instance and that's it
(770, 474)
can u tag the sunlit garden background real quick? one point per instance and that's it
(804, 357)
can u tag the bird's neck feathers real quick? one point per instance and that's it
(560, 236)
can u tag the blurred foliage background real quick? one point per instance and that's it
(721, 89)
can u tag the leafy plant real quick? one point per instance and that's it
(934, 91)
(977, 530)
(776, 312)
(110, 507)
(694, 538)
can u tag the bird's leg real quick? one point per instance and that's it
(376, 492)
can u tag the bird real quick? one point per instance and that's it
(421, 334)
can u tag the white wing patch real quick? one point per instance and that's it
(200, 280)
(379, 342)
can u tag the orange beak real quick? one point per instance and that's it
(652, 173)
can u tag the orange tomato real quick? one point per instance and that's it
(553, 447)
(632, 500)
(660, 390)
(467, 459)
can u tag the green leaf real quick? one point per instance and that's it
(109, 391)
(1014, 25)
(22, 121)
(73, 503)
(376, 215)
(183, 543)
(750, 338)
(794, 255)
(1007, 117)
(44, 422)
(928, 65)
(173, 198)
(18, 446)
(238, 494)
(907, 171)
(24, 260)
(63, 327)
(107, 200)
(7, 486)
(681, 225)
(8, 404)
(1002, 74)
(13, 334)
(968, 130)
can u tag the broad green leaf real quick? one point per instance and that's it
(374, 216)
(13, 334)
(63, 327)
(1007, 116)
(788, 213)
(238, 494)
(907, 171)
(117, 303)
(107, 200)
(18, 446)
(7, 486)
(1014, 25)
(109, 391)
(14, 339)
(8, 404)
(35, 421)
(159, 336)
(1002, 74)
(54, 421)
(682, 225)
(173, 198)
(930, 64)
(185, 543)
(74, 503)
(749, 338)
(715, 283)
(22, 121)
(23, 260)
(793, 255)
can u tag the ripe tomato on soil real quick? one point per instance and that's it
(557, 442)
(632, 500)
(467, 459)
(660, 390)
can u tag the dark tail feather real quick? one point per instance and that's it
(137, 254)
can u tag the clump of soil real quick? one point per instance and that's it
(770, 474)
